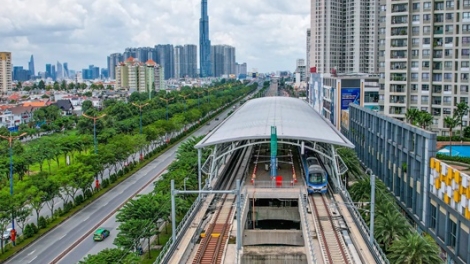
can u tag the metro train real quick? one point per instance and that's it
(315, 175)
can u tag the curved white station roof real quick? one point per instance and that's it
(294, 119)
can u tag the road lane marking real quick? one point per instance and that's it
(86, 218)
(31, 252)
(32, 259)
(61, 237)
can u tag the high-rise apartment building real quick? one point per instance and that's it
(222, 60)
(53, 72)
(5, 72)
(307, 59)
(31, 66)
(114, 60)
(190, 62)
(204, 43)
(48, 71)
(343, 36)
(179, 61)
(166, 58)
(424, 57)
(137, 76)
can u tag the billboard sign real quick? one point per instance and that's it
(316, 92)
(350, 95)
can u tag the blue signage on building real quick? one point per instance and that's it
(350, 95)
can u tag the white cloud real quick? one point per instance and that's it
(268, 35)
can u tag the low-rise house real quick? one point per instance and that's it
(65, 106)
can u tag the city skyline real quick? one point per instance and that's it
(85, 32)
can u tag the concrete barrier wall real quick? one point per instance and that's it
(273, 237)
(278, 213)
(274, 259)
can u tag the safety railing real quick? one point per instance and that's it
(303, 203)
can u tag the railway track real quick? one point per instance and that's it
(332, 245)
(212, 246)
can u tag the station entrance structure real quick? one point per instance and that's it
(297, 124)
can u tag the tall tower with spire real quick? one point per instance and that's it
(204, 43)
(31, 66)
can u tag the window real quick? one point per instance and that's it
(425, 87)
(414, 76)
(425, 76)
(382, 42)
(465, 52)
(415, 18)
(450, 16)
(437, 77)
(426, 17)
(464, 88)
(426, 52)
(446, 111)
(414, 87)
(415, 53)
(425, 109)
(415, 41)
(450, 3)
(449, 28)
(466, 15)
(448, 64)
(433, 223)
(464, 64)
(447, 88)
(415, 6)
(415, 30)
(448, 52)
(466, 3)
(448, 40)
(424, 99)
(383, 19)
(465, 40)
(426, 5)
(452, 238)
(414, 64)
(425, 64)
(414, 98)
(426, 40)
(381, 31)
(447, 76)
(465, 27)
(464, 76)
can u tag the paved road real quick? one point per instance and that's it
(51, 245)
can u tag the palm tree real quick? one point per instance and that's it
(412, 115)
(390, 226)
(451, 123)
(425, 119)
(460, 112)
(414, 249)
(360, 191)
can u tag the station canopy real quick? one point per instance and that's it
(294, 120)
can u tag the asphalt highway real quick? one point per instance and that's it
(77, 231)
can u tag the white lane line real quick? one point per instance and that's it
(32, 259)
(61, 237)
(86, 218)
(31, 252)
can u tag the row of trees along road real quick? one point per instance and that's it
(64, 165)
(400, 242)
(140, 218)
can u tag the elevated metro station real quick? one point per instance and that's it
(270, 217)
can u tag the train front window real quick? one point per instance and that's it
(317, 178)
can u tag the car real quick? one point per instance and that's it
(100, 234)
(208, 124)
(216, 119)
(6, 234)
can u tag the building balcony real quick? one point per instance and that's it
(447, 103)
(398, 78)
(438, 31)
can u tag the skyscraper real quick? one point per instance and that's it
(179, 62)
(48, 71)
(66, 70)
(165, 57)
(5, 72)
(204, 42)
(31, 66)
(59, 73)
(222, 60)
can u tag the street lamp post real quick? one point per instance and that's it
(166, 100)
(140, 109)
(372, 205)
(94, 118)
(10, 143)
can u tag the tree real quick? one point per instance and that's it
(460, 112)
(87, 104)
(425, 119)
(414, 249)
(21, 216)
(390, 226)
(41, 85)
(412, 115)
(451, 123)
(131, 232)
(111, 255)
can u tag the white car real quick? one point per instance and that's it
(6, 234)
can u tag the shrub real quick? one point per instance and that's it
(42, 222)
(78, 199)
(87, 194)
(105, 183)
(67, 207)
(28, 231)
(59, 212)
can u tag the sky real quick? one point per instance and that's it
(268, 35)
